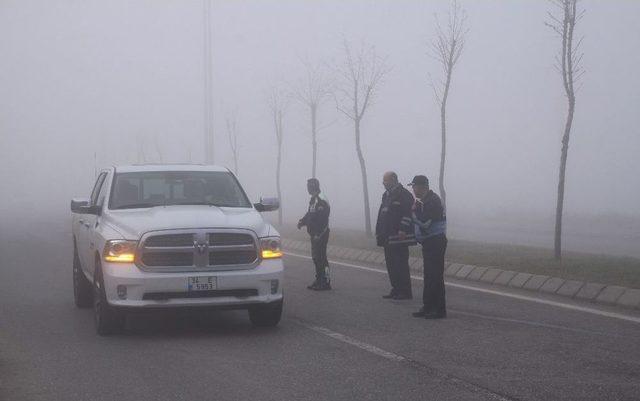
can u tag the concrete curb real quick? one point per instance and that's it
(593, 292)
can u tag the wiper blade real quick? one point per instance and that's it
(199, 204)
(188, 203)
(136, 205)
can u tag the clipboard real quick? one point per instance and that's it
(410, 240)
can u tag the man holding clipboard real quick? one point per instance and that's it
(431, 231)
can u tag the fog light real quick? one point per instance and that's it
(122, 291)
(274, 286)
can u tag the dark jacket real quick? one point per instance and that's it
(394, 214)
(317, 218)
(429, 216)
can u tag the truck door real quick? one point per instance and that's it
(94, 232)
(85, 224)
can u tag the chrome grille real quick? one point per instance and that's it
(167, 259)
(198, 250)
(166, 240)
(229, 239)
(221, 258)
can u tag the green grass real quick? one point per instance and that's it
(604, 269)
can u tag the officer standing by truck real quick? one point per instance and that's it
(393, 227)
(317, 222)
(430, 224)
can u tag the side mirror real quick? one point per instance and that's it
(267, 204)
(81, 206)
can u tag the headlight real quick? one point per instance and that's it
(120, 250)
(270, 248)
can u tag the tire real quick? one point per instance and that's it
(82, 287)
(109, 320)
(266, 315)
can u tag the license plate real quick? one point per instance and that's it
(202, 283)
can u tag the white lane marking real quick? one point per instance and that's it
(433, 372)
(585, 309)
(534, 324)
(352, 341)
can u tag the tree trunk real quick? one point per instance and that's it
(279, 164)
(278, 184)
(443, 152)
(563, 166)
(314, 142)
(235, 165)
(567, 79)
(365, 186)
(443, 126)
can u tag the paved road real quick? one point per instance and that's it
(348, 344)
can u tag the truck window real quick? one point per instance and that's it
(165, 188)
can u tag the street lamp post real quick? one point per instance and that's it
(208, 84)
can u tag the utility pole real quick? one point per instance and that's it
(208, 84)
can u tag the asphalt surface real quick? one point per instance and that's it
(347, 344)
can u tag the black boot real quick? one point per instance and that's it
(402, 296)
(435, 315)
(314, 285)
(324, 285)
(419, 313)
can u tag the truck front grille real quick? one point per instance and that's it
(167, 259)
(221, 258)
(198, 250)
(158, 296)
(229, 239)
(166, 240)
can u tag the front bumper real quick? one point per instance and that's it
(258, 280)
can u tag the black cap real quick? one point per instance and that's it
(313, 183)
(420, 180)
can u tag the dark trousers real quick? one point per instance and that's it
(397, 261)
(433, 250)
(319, 255)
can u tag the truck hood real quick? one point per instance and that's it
(133, 223)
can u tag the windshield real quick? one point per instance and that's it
(163, 188)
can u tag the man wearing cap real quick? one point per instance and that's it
(430, 224)
(392, 228)
(317, 222)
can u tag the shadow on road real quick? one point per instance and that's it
(192, 324)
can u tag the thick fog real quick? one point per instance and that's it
(89, 84)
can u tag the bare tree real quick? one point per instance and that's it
(231, 120)
(141, 154)
(447, 49)
(158, 148)
(312, 91)
(277, 101)
(359, 77)
(563, 20)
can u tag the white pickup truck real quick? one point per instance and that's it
(164, 236)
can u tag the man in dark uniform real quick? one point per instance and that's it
(430, 224)
(317, 222)
(392, 228)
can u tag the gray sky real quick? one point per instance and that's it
(79, 77)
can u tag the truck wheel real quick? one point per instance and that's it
(82, 288)
(266, 315)
(109, 320)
